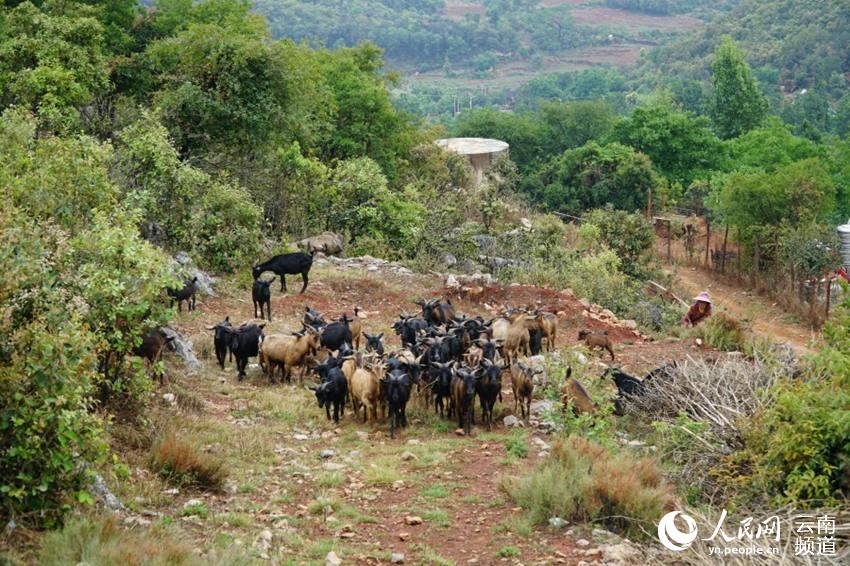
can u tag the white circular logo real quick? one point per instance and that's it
(670, 535)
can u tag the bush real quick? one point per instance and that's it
(184, 464)
(629, 235)
(722, 332)
(226, 229)
(582, 481)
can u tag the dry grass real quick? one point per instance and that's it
(183, 463)
(582, 481)
(103, 542)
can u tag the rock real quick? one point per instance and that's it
(449, 260)
(526, 223)
(580, 357)
(333, 467)
(636, 444)
(186, 266)
(171, 491)
(398, 484)
(403, 536)
(630, 324)
(362, 435)
(331, 559)
(182, 346)
(511, 421)
(460, 431)
(413, 520)
(327, 453)
(231, 488)
(170, 398)
(266, 535)
(103, 494)
(397, 558)
(408, 456)
(542, 406)
(582, 542)
(354, 454)
(557, 523)
(327, 243)
(414, 442)
(300, 437)
(537, 361)
(192, 503)
(452, 282)
(620, 554)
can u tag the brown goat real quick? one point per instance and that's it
(548, 323)
(356, 327)
(365, 392)
(517, 338)
(596, 339)
(522, 384)
(574, 391)
(153, 343)
(288, 352)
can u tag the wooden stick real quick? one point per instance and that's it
(665, 290)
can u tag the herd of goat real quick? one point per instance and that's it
(448, 358)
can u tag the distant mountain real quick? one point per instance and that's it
(792, 43)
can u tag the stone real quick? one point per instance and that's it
(452, 282)
(181, 346)
(192, 503)
(354, 454)
(413, 520)
(398, 484)
(362, 435)
(526, 223)
(170, 398)
(331, 559)
(414, 442)
(403, 536)
(408, 456)
(582, 542)
(333, 467)
(580, 357)
(301, 437)
(327, 453)
(449, 260)
(636, 443)
(511, 421)
(101, 492)
(266, 535)
(397, 558)
(171, 491)
(621, 554)
(557, 523)
(231, 488)
(205, 282)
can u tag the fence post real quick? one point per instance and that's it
(707, 241)
(756, 262)
(669, 235)
(723, 261)
(828, 293)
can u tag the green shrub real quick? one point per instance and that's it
(582, 481)
(629, 235)
(226, 227)
(722, 332)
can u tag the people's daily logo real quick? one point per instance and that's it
(670, 535)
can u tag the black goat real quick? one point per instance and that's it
(313, 318)
(396, 388)
(221, 341)
(440, 381)
(286, 264)
(261, 294)
(332, 391)
(535, 340)
(627, 385)
(463, 397)
(244, 343)
(489, 387)
(186, 293)
(150, 349)
(336, 334)
(374, 344)
(407, 328)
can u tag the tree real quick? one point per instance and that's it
(522, 132)
(51, 63)
(593, 176)
(738, 105)
(628, 234)
(573, 124)
(682, 147)
(770, 146)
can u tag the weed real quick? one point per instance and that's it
(582, 481)
(507, 552)
(515, 445)
(430, 556)
(198, 510)
(384, 471)
(519, 525)
(330, 479)
(438, 517)
(436, 491)
(185, 464)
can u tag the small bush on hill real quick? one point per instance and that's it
(582, 481)
(184, 464)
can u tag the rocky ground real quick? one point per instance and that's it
(302, 490)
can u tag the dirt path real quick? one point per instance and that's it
(764, 316)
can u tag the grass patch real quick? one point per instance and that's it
(185, 464)
(436, 491)
(470, 499)
(247, 487)
(431, 556)
(384, 471)
(330, 479)
(584, 482)
(438, 517)
(102, 542)
(199, 510)
(515, 445)
(324, 505)
(238, 520)
(507, 552)
(519, 525)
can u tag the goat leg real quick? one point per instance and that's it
(304, 277)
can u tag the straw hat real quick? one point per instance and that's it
(703, 297)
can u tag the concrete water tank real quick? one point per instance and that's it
(844, 234)
(480, 151)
